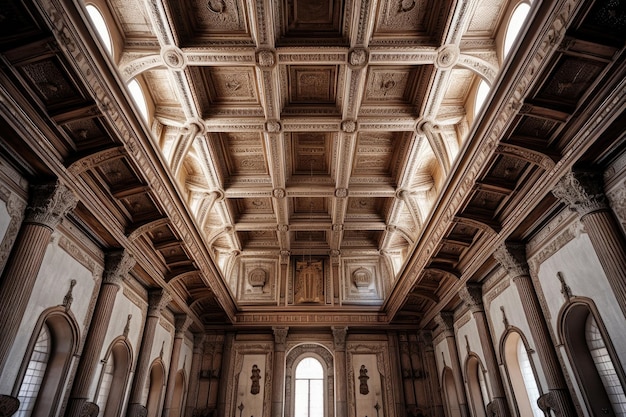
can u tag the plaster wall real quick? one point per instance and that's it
(52, 284)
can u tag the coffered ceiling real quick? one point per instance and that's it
(305, 162)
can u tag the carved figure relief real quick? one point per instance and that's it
(363, 388)
(309, 280)
(257, 279)
(256, 377)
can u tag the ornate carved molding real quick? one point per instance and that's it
(512, 257)
(157, 301)
(583, 191)
(117, 265)
(49, 204)
(472, 296)
(339, 337)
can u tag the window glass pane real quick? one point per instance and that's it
(100, 26)
(34, 373)
(309, 389)
(105, 386)
(137, 94)
(605, 367)
(529, 378)
(515, 25)
(481, 96)
(302, 398)
(317, 398)
(309, 368)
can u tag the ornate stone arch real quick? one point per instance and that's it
(325, 357)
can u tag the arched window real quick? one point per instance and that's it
(179, 395)
(481, 96)
(515, 26)
(155, 388)
(101, 27)
(593, 360)
(521, 375)
(52, 346)
(139, 98)
(449, 391)
(114, 379)
(309, 396)
(476, 386)
(309, 382)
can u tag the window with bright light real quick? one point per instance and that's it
(528, 376)
(138, 97)
(34, 373)
(309, 398)
(481, 96)
(515, 26)
(100, 26)
(105, 385)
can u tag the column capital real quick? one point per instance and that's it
(280, 336)
(157, 301)
(339, 337)
(49, 203)
(198, 342)
(512, 257)
(181, 324)
(117, 264)
(445, 321)
(583, 191)
(472, 296)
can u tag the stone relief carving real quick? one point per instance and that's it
(255, 388)
(363, 388)
(309, 281)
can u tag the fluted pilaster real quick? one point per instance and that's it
(157, 301)
(512, 257)
(471, 294)
(339, 342)
(280, 338)
(445, 321)
(181, 323)
(49, 204)
(583, 191)
(117, 266)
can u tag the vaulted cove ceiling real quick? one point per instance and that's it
(306, 162)
(309, 130)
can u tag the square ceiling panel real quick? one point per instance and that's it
(390, 85)
(309, 20)
(377, 154)
(231, 85)
(259, 238)
(311, 153)
(410, 21)
(367, 208)
(210, 22)
(310, 84)
(257, 209)
(244, 154)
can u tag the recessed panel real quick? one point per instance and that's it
(231, 85)
(390, 85)
(244, 153)
(312, 84)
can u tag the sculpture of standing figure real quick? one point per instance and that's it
(363, 388)
(256, 377)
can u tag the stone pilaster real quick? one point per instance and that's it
(181, 323)
(194, 374)
(117, 266)
(583, 191)
(280, 338)
(157, 301)
(471, 294)
(431, 378)
(512, 257)
(48, 205)
(339, 342)
(445, 321)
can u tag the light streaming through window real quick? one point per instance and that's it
(34, 373)
(515, 26)
(137, 93)
(100, 26)
(309, 398)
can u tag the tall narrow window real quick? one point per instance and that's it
(515, 26)
(476, 386)
(604, 365)
(481, 96)
(449, 391)
(105, 385)
(34, 373)
(521, 376)
(100, 26)
(138, 97)
(114, 379)
(309, 398)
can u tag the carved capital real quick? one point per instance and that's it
(472, 296)
(339, 337)
(181, 324)
(116, 267)
(157, 301)
(512, 257)
(445, 321)
(280, 337)
(49, 204)
(137, 410)
(89, 409)
(583, 191)
(198, 343)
